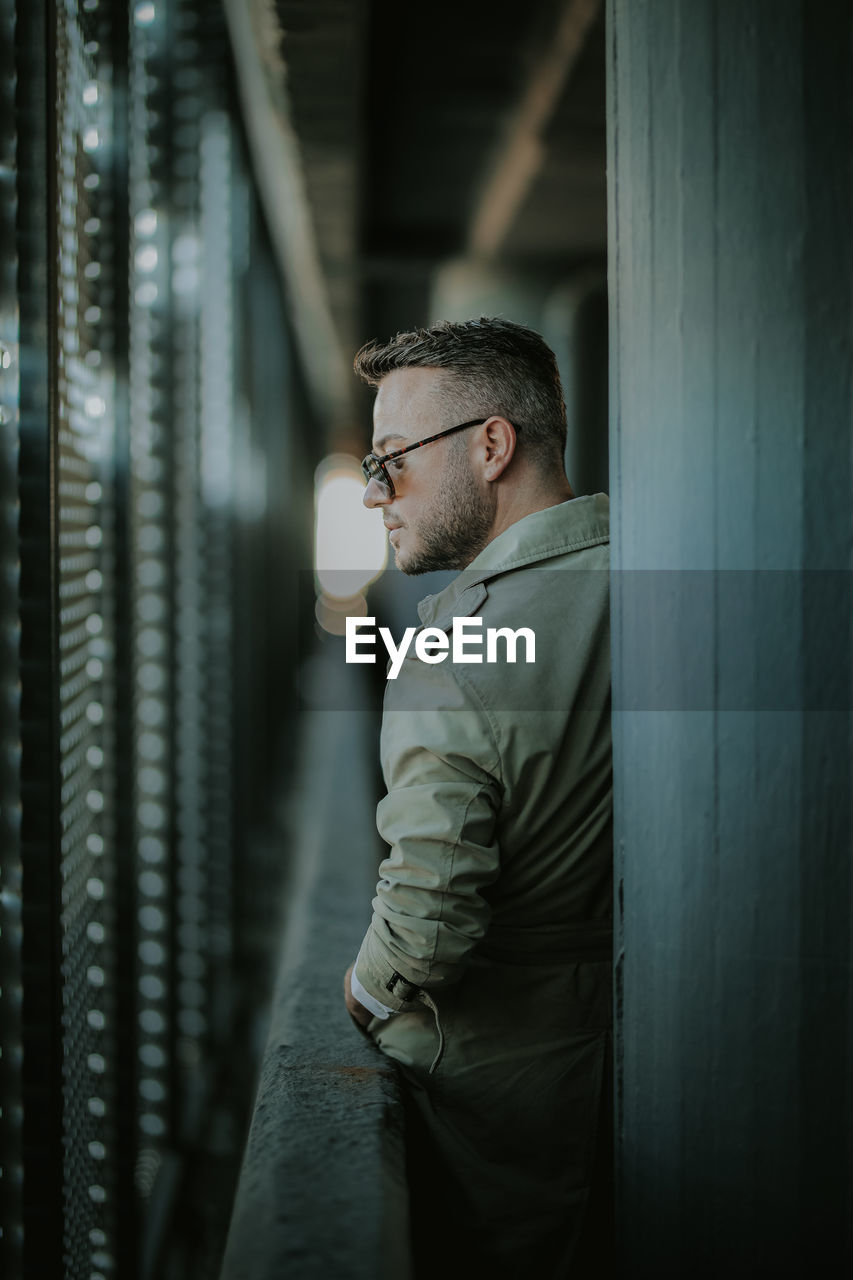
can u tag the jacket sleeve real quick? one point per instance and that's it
(442, 769)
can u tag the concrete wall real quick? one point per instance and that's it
(731, 283)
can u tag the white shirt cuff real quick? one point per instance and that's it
(376, 1007)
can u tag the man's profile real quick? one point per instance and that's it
(485, 972)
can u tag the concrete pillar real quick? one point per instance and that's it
(731, 299)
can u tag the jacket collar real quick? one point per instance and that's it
(569, 526)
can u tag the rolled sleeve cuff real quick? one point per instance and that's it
(376, 1007)
(380, 980)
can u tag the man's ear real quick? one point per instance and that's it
(498, 439)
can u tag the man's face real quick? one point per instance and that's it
(440, 515)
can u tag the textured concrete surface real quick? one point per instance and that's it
(321, 1191)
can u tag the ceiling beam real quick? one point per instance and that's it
(522, 150)
(261, 80)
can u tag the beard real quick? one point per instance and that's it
(457, 528)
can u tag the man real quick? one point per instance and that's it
(485, 972)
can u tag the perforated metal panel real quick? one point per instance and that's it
(219, 176)
(117, 638)
(195, 608)
(181, 410)
(11, 1154)
(150, 574)
(83, 476)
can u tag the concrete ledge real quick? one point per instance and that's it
(322, 1189)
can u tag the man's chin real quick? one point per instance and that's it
(407, 562)
(413, 566)
(418, 559)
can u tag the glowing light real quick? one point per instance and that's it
(152, 712)
(151, 746)
(350, 545)
(151, 884)
(146, 258)
(150, 503)
(152, 781)
(150, 573)
(186, 281)
(145, 222)
(152, 919)
(146, 294)
(151, 677)
(151, 849)
(186, 249)
(152, 952)
(144, 15)
(151, 815)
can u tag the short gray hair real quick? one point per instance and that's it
(493, 366)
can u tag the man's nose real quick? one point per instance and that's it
(376, 493)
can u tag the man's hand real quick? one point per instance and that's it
(354, 1007)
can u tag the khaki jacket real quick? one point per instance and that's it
(491, 931)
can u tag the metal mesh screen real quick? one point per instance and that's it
(126, 224)
(150, 516)
(83, 477)
(11, 1154)
(181, 409)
